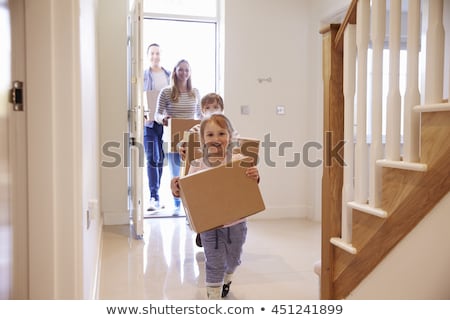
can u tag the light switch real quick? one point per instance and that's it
(245, 110)
(280, 110)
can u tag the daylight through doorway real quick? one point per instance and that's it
(179, 39)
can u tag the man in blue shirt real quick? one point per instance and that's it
(155, 78)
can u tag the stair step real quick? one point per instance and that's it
(432, 107)
(368, 209)
(413, 166)
(344, 245)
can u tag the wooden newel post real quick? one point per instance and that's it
(333, 135)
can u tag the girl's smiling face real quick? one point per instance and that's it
(216, 140)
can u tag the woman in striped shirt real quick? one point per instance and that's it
(179, 100)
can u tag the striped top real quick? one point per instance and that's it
(187, 107)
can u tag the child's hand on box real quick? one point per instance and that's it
(182, 150)
(174, 185)
(252, 173)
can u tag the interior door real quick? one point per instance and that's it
(5, 183)
(136, 118)
(13, 154)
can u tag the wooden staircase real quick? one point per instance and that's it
(408, 196)
(409, 191)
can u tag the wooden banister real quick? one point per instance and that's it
(350, 17)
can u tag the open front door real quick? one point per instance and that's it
(136, 118)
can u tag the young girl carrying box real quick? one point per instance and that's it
(222, 246)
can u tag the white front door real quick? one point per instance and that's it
(136, 118)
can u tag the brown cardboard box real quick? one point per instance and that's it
(218, 196)
(246, 146)
(249, 147)
(193, 150)
(177, 127)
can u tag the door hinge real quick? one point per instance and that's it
(16, 95)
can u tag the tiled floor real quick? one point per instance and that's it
(277, 262)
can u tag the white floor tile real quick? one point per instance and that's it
(277, 262)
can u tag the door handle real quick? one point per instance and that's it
(16, 95)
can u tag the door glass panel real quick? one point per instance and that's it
(190, 40)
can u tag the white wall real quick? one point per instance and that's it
(93, 223)
(267, 40)
(54, 154)
(418, 267)
(112, 41)
(63, 148)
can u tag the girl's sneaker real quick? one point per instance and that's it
(226, 289)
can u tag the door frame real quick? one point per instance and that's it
(18, 158)
(136, 117)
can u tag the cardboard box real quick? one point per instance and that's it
(176, 128)
(221, 195)
(246, 146)
(193, 150)
(249, 147)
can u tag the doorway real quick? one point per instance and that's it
(196, 41)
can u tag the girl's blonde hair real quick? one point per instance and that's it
(174, 82)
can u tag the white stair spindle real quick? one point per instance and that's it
(349, 106)
(378, 32)
(412, 95)
(361, 152)
(434, 74)
(394, 99)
